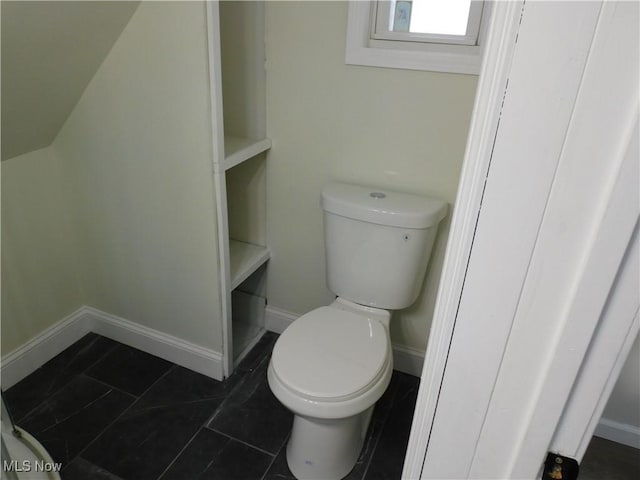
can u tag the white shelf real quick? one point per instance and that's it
(239, 149)
(244, 259)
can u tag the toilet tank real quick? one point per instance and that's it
(378, 243)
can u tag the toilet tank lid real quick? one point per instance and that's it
(382, 206)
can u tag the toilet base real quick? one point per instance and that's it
(322, 449)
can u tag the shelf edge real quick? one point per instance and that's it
(256, 262)
(251, 150)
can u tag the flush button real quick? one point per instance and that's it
(377, 195)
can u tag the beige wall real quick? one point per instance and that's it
(40, 282)
(398, 129)
(137, 151)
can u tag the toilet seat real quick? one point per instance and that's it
(331, 355)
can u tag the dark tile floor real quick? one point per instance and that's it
(608, 460)
(111, 412)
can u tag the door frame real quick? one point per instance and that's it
(518, 436)
(502, 32)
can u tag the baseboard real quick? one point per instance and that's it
(42, 348)
(405, 360)
(277, 320)
(184, 353)
(408, 360)
(618, 432)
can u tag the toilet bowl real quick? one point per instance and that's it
(331, 365)
(329, 368)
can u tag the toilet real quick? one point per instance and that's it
(331, 365)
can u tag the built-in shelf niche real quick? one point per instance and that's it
(246, 213)
(246, 219)
(240, 170)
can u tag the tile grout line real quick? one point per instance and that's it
(241, 382)
(240, 441)
(101, 357)
(178, 404)
(264, 475)
(377, 440)
(181, 451)
(108, 385)
(61, 370)
(206, 423)
(215, 413)
(137, 399)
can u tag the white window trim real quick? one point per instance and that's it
(362, 50)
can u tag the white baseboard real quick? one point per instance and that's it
(405, 360)
(408, 360)
(186, 354)
(618, 432)
(277, 320)
(42, 348)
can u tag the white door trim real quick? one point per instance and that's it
(589, 217)
(502, 33)
(619, 325)
(479, 429)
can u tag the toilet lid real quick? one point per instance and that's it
(330, 353)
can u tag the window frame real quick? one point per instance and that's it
(363, 49)
(380, 26)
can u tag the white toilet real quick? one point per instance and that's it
(331, 365)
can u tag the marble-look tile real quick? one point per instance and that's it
(388, 457)
(181, 385)
(381, 412)
(82, 354)
(57, 372)
(129, 369)
(34, 389)
(368, 449)
(80, 469)
(141, 444)
(279, 470)
(75, 416)
(236, 461)
(253, 415)
(197, 457)
(213, 456)
(162, 431)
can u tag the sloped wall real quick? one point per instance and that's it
(50, 51)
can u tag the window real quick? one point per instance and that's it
(436, 35)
